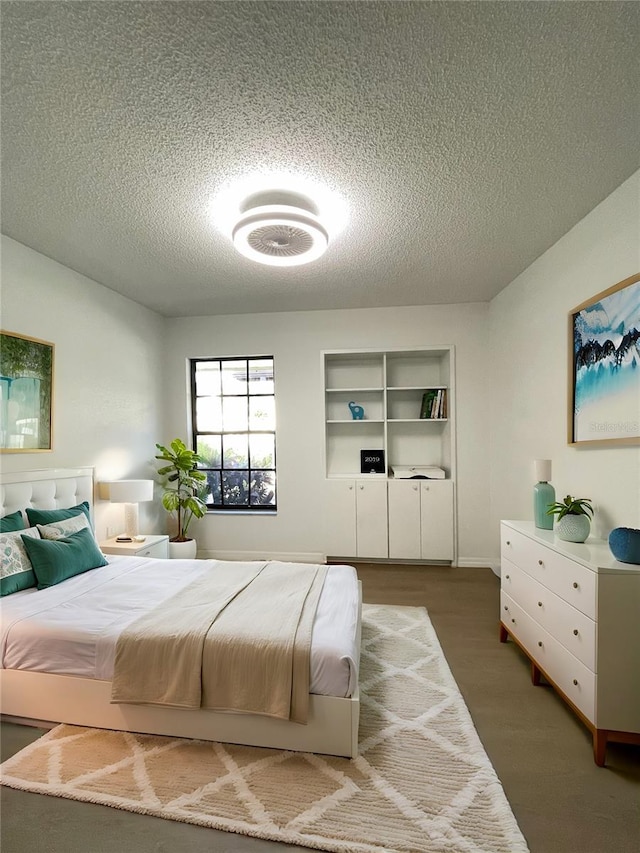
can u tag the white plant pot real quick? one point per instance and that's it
(573, 528)
(183, 550)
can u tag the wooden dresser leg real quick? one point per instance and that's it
(535, 674)
(503, 634)
(599, 746)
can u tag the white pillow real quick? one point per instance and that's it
(65, 527)
(16, 572)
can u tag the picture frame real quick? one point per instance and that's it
(604, 367)
(372, 462)
(26, 393)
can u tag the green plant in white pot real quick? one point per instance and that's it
(572, 518)
(184, 488)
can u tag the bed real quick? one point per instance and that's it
(57, 645)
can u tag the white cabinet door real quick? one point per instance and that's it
(404, 520)
(340, 518)
(414, 522)
(371, 518)
(436, 511)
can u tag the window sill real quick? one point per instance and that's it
(250, 512)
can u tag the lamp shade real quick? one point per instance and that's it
(542, 468)
(130, 491)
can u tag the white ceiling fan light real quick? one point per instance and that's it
(280, 235)
(279, 228)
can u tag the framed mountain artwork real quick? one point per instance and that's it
(604, 367)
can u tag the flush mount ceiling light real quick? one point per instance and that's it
(279, 228)
(280, 236)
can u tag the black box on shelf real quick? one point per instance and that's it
(372, 462)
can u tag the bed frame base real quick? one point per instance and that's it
(43, 698)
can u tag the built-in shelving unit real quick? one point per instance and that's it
(396, 518)
(390, 386)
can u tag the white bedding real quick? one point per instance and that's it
(72, 628)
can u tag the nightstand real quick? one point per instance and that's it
(153, 546)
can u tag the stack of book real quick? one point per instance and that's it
(434, 403)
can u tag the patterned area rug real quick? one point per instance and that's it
(422, 782)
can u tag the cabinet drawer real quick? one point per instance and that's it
(570, 580)
(160, 550)
(573, 630)
(576, 681)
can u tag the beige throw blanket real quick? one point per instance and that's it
(238, 638)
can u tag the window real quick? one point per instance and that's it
(234, 430)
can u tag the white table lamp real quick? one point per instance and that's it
(130, 493)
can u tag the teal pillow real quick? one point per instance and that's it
(55, 560)
(49, 516)
(14, 521)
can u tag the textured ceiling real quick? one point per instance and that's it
(465, 138)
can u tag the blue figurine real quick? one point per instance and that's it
(357, 412)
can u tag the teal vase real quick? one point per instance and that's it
(543, 495)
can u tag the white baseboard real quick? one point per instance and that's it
(317, 557)
(480, 563)
(283, 556)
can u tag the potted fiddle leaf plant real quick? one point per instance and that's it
(185, 488)
(573, 518)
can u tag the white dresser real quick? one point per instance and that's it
(575, 612)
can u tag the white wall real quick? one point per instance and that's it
(296, 341)
(107, 373)
(530, 357)
(121, 385)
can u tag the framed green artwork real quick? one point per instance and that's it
(26, 393)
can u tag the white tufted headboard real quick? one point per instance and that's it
(54, 488)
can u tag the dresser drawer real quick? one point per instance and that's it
(570, 675)
(573, 630)
(573, 582)
(160, 550)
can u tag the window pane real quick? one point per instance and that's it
(234, 420)
(261, 376)
(215, 490)
(207, 378)
(236, 451)
(234, 413)
(208, 414)
(263, 488)
(262, 451)
(235, 488)
(210, 448)
(262, 413)
(234, 377)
